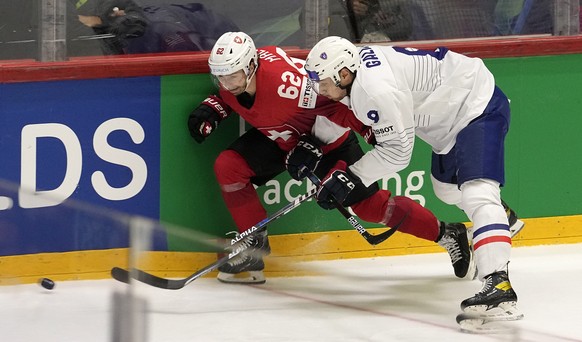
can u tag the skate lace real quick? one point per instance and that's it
(487, 284)
(242, 257)
(451, 245)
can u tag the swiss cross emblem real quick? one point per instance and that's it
(282, 133)
(274, 135)
(238, 40)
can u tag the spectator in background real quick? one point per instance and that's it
(536, 17)
(124, 27)
(114, 21)
(524, 17)
(180, 27)
(371, 21)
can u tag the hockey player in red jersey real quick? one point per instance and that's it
(291, 130)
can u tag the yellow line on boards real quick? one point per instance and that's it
(288, 251)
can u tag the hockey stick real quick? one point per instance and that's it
(372, 239)
(125, 276)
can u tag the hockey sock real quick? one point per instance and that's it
(416, 219)
(374, 208)
(241, 199)
(491, 235)
(408, 215)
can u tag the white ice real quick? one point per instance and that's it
(404, 298)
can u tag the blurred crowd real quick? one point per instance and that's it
(108, 27)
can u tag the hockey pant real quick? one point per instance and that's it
(239, 194)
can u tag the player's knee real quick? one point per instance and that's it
(479, 193)
(446, 192)
(231, 168)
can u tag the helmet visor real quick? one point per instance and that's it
(312, 75)
(232, 82)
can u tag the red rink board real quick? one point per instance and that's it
(195, 62)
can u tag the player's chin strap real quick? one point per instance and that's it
(372, 239)
(250, 77)
(348, 87)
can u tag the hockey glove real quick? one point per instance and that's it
(205, 118)
(338, 184)
(307, 153)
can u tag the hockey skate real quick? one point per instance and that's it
(515, 224)
(453, 237)
(247, 268)
(497, 301)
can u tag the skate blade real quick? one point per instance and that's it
(476, 324)
(506, 311)
(516, 228)
(250, 277)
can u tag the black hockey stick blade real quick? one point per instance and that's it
(372, 239)
(376, 239)
(120, 274)
(124, 275)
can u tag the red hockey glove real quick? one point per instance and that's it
(307, 153)
(338, 184)
(205, 118)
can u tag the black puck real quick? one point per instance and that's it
(47, 283)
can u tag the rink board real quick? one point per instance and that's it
(179, 185)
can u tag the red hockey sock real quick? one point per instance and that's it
(375, 208)
(411, 217)
(241, 198)
(416, 219)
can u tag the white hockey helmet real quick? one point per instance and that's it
(329, 56)
(232, 52)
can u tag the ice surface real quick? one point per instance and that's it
(403, 298)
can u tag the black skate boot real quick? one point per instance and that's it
(496, 301)
(247, 268)
(453, 237)
(515, 224)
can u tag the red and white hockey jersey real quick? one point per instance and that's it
(286, 105)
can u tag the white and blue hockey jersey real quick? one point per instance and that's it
(402, 92)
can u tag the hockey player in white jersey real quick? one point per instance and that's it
(452, 103)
